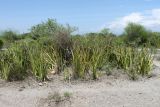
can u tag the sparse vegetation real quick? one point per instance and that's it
(58, 98)
(67, 95)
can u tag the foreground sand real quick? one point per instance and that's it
(109, 91)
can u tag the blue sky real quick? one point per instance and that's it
(87, 15)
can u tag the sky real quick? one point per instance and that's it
(87, 15)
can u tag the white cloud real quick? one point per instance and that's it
(150, 19)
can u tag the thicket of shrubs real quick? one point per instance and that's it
(50, 46)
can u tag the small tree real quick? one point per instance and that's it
(49, 28)
(136, 33)
(105, 31)
(9, 36)
(154, 39)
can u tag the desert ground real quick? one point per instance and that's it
(116, 90)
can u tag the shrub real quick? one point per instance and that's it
(48, 28)
(9, 36)
(88, 57)
(23, 59)
(1, 44)
(81, 59)
(67, 95)
(13, 63)
(63, 46)
(154, 39)
(134, 61)
(38, 64)
(136, 33)
(145, 62)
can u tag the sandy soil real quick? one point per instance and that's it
(110, 91)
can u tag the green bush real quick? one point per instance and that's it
(48, 28)
(154, 39)
(13, 63)
(9, 36)
(134, 61)
(88, 57)
(1, 44)
(21, 60)
(136, 34)
(39, 67)
(81, 60)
